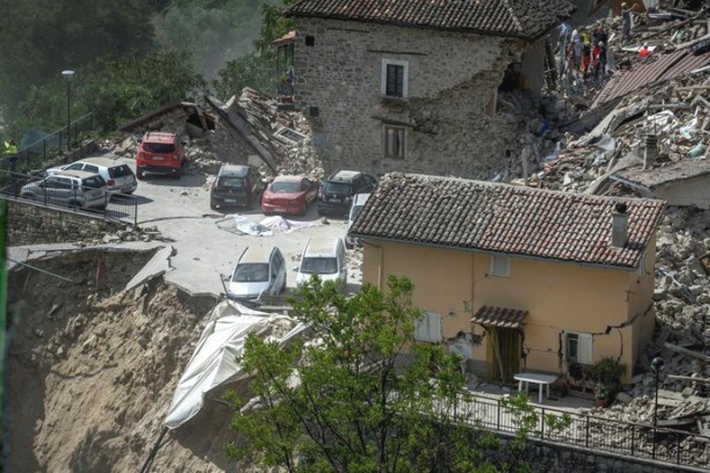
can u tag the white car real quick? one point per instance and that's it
(359, 201)
(259, 271)
(324, 257)
(118, 176)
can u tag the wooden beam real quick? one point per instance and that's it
(688, 378)
(685, 351)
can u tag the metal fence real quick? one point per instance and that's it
(596, 433)
(31, 188)
(33, 156)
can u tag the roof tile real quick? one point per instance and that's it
(510, 18)
(503, 218)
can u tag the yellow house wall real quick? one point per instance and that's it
(558, 297)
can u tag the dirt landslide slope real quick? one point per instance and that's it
(92, 369)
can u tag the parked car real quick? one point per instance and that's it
(72, 188)
(258, 271)
(358, 203)
(160, 153)
(336, 194)
(289, 195)
(118, 176)
(324, 257)
(236, 185)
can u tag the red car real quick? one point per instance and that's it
(160, 153)
(289, 195)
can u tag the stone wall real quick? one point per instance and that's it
(452, 77)
(30, 224)
(557, 458)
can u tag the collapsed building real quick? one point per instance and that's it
(429, 87)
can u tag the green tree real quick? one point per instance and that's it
(214, 32)
(39, 38)
(257, 69)
(128, 87)
(364, 396)
(114, 89)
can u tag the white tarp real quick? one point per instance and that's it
(214, 361)
(277, 222)
(242, 225)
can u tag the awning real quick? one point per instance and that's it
(499, 317)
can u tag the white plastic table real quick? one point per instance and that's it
(535, 378)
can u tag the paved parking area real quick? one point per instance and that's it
(180, 210)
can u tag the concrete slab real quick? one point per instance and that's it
(158, 265)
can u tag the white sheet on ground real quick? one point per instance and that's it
(277, 222)
(243, 225)
(214, 360)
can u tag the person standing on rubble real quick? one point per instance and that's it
(644, 51)
(625, 23)
(576, 50)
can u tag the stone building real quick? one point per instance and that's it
(413, 85)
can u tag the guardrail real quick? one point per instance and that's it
(38, 152)
(31, 188)
(596, 433)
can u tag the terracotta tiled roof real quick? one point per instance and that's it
(514, 18)
(499, 317)
(482, 216)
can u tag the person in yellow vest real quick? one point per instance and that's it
(10, 147)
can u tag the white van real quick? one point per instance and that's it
(359, 201)
(324, 257)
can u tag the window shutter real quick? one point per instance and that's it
(428, 328)
(500, 265)
(584, 348)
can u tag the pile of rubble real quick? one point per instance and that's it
(655, 119)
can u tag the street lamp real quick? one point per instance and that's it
(68, 75)
(657, 365)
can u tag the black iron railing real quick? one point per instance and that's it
(33, 156)
(596, 433)
(80, 199)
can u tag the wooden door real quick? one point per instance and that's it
(503, 354)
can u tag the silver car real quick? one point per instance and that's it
(70, 188)
(259, 271)
(118, 176)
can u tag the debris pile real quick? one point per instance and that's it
(93, 367)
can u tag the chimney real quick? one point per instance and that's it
(619, 225)
(651, 150)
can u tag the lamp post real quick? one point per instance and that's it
(657, 365)
(68, 75)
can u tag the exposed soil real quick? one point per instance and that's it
(92, 370)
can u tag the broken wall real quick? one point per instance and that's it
(171, 121)
(451, 79)
(30, 224)
(686, 193)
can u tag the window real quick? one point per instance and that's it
(500, 266)
(394, 142)
(642, 266)
(395, 78)
(578, 348)
(59, 183)
(428, 328)
(319, 265)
